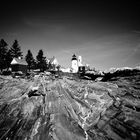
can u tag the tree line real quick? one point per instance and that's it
(7, 54)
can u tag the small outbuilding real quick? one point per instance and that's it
(19, 65)
(81, 69)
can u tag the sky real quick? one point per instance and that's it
(105, 33)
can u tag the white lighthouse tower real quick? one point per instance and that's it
(74, 64)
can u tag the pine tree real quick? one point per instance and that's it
(3, 52)
(15, 50)
(41, 61)
(30, 60)
(8, 59)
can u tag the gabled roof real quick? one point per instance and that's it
(18, 61)
(53, 60)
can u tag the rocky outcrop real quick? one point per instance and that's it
(120, 72)
(64, 109)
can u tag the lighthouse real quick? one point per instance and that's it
(74, 62)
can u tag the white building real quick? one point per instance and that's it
(52, 61)
(74, 62)
(80, 61)
(65, 69)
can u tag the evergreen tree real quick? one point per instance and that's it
(8, 59)
(3, 52)
(41, 61)
(15, 50)
(30, 60)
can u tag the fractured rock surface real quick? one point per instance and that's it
(64, 109)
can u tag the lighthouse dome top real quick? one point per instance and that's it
(74, 57)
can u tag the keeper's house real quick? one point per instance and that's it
(19, 65)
